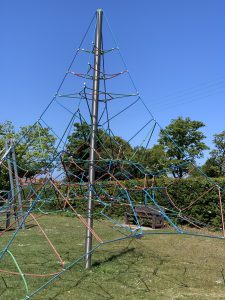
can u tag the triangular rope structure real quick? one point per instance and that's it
(123, 186)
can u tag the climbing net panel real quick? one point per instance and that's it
(52, 176)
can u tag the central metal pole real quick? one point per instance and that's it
(94, 128)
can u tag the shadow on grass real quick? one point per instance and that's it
(14, 228)
(113, 257)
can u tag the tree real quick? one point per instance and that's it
(215, 165)
(35, 150)
(110, 153)
(182, 141)
(6, 131)
(153, 160)
(34, 147)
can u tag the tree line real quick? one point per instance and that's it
(181, 142)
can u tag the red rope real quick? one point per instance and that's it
(28, 274)
(210, 189)
(83, 221)
(50, 243)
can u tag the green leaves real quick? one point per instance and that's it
(109, 150)
(35, 149)
(153, 159)
(34, 146)
(181, 139)
(215, 165)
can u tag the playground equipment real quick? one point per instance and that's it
(102, 178)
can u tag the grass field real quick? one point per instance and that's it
(153, 267)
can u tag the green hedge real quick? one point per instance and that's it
(182, 192)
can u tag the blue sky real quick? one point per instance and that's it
(174, 49)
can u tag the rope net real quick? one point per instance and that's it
(53, 178)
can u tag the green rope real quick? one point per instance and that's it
(19, 270)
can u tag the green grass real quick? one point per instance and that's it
(153, 267)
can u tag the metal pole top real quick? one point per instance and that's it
(99, 10)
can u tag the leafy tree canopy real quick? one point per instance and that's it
(153, 159)
(182, 138)
(34, 147)
(215, 165)
(109, 151)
